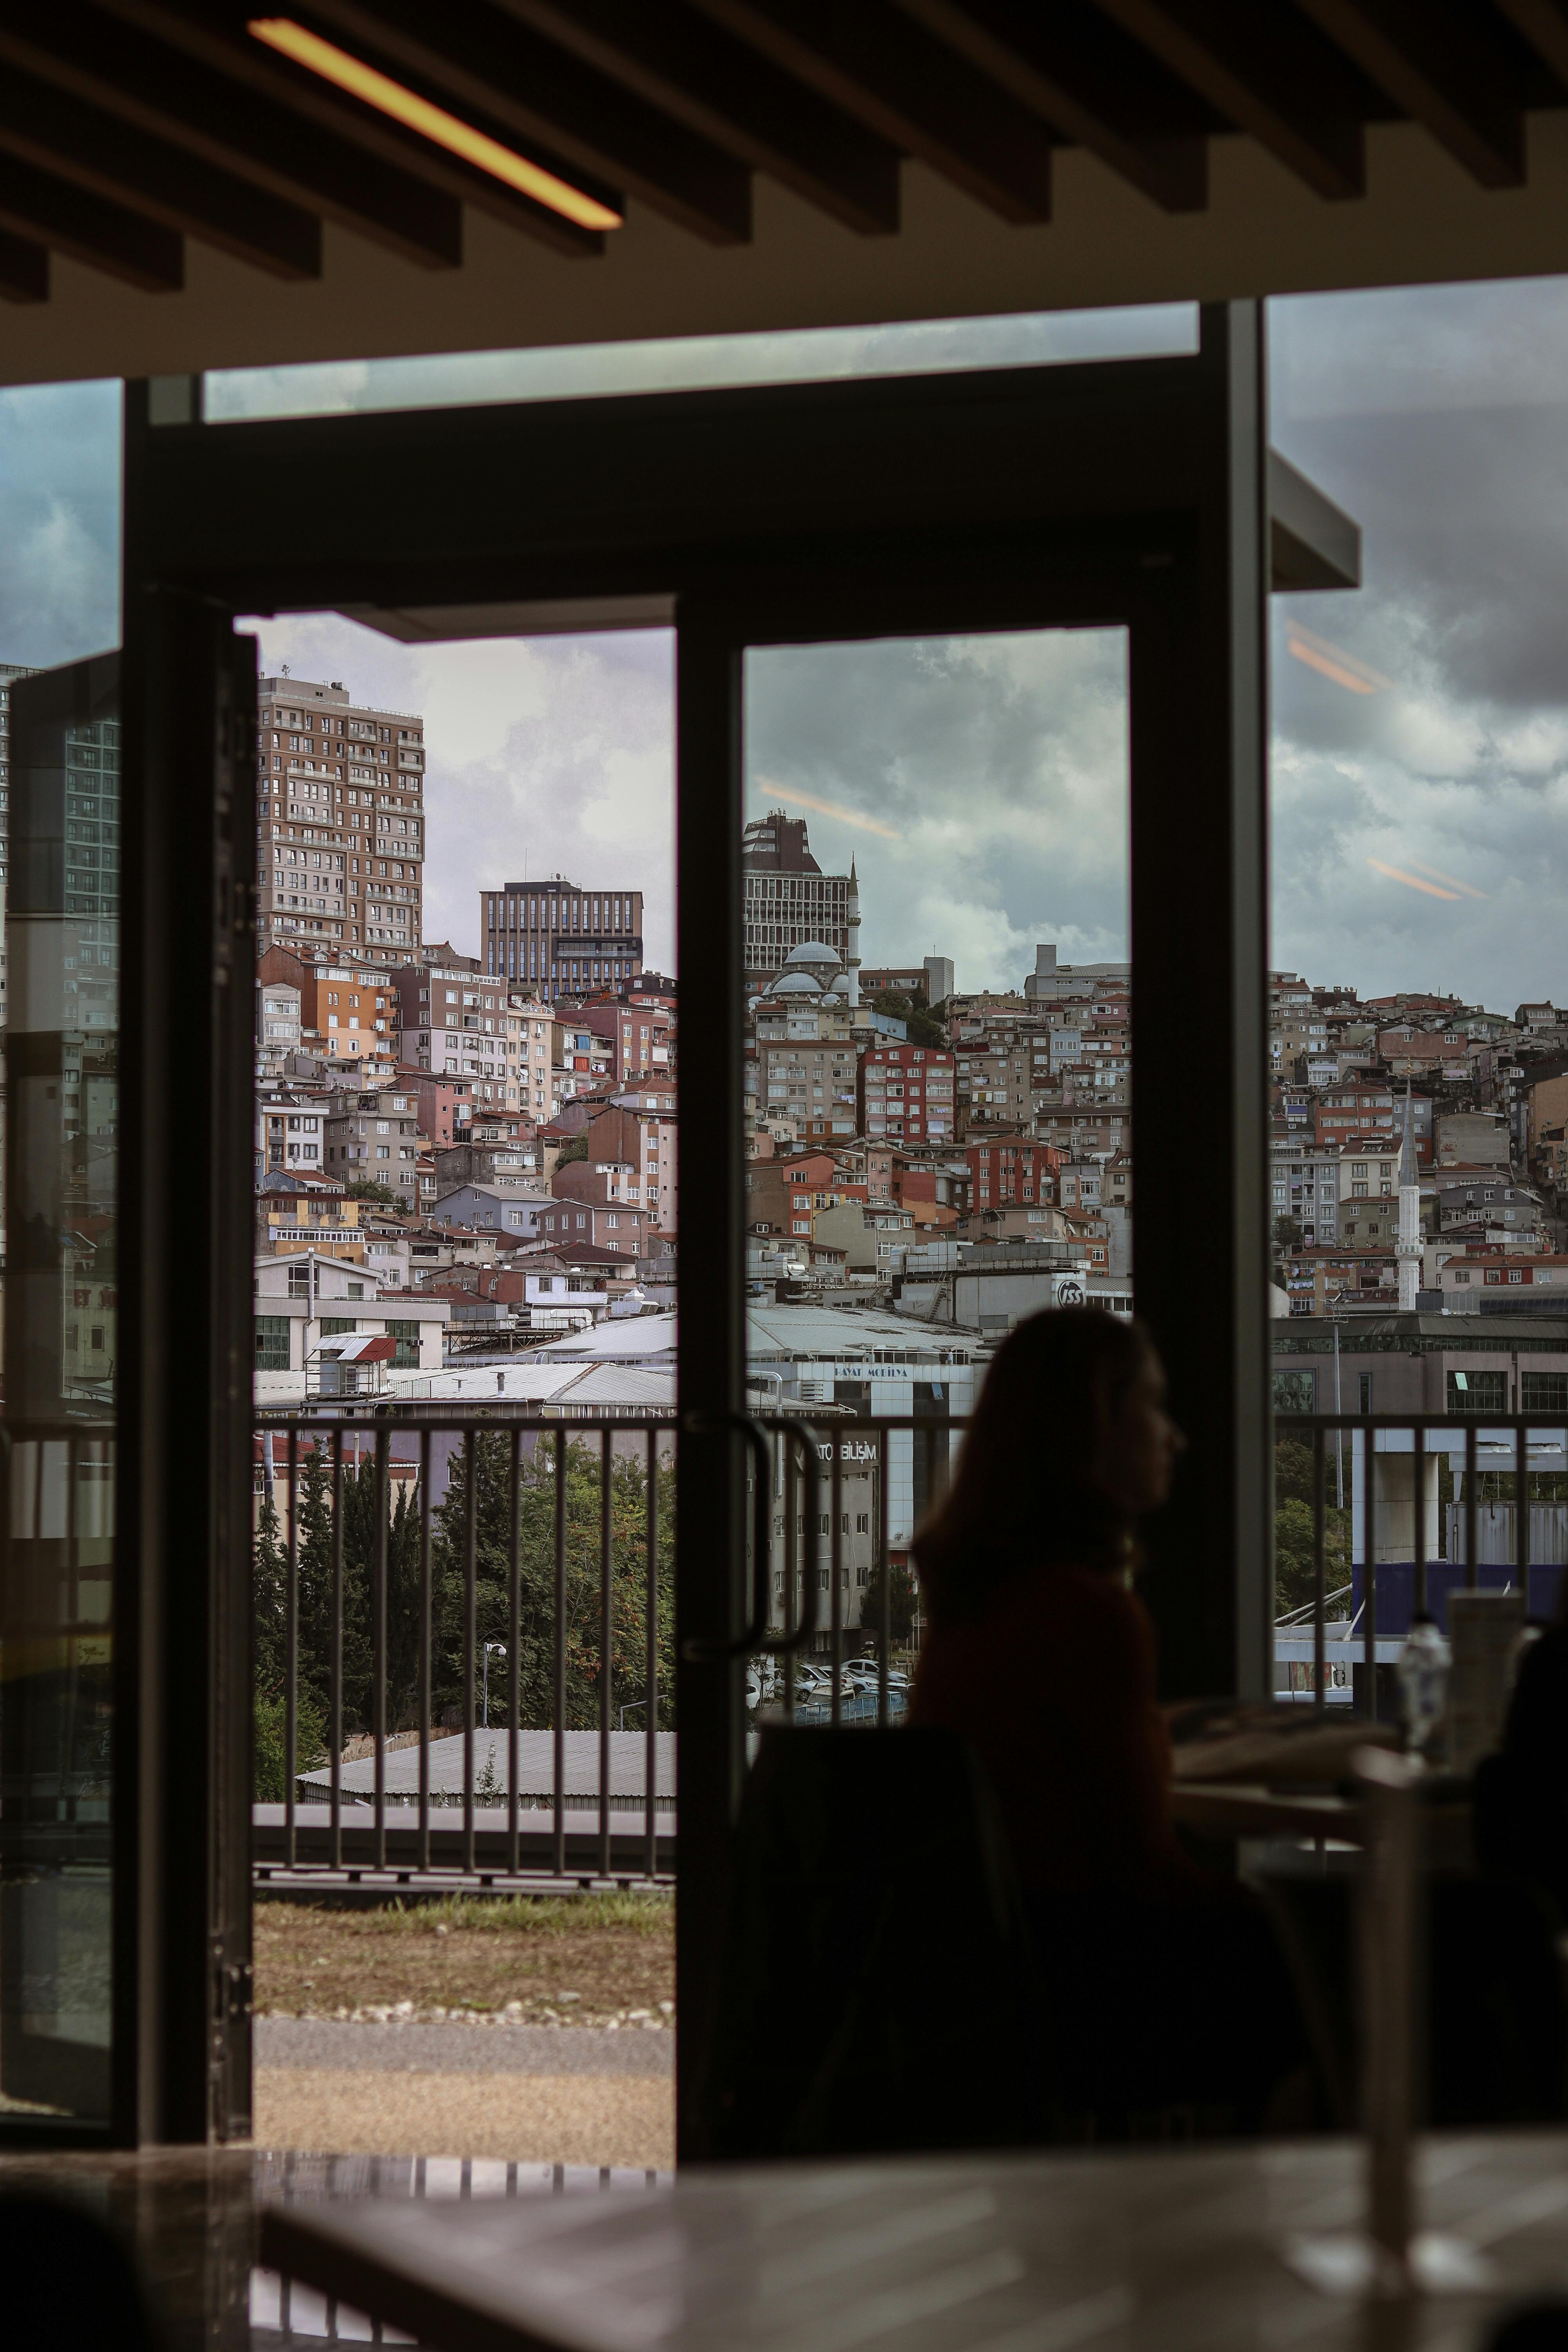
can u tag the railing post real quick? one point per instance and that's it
(1368, 1550)
(1319, 1603)
(650, 1669)
(292, 1660)
(378, 1635)
(513, 1648)
(606, 1660)
(470, 1607)
(559, 1760)
(336, 1704)
(427, 1676)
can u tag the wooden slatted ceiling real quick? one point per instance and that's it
(127, 126)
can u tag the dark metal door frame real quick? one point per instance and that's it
(1129, 491)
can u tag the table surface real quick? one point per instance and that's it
(1166, 2251)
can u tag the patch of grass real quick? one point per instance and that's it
(564, 1960)
(520, 1915)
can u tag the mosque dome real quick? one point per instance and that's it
(810, 953)
(797, 984)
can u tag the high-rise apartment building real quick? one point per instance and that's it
(560, 939)
(790, 902)
(340, 823)
(9, 673)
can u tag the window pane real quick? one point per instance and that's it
(62, 946)
(939, 1103)
(1477, 1392)
(930, 346)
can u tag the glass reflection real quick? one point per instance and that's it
(56, 1446)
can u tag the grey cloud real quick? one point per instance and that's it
(59, 523)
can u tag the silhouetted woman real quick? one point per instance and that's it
(1167, 1987)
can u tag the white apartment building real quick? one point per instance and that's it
(1305, 1185)
(290, 1133)
(311, 1297)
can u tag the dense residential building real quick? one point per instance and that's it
(556, 939)
(374, 1138)
(340, 806)
(458, 1024)
(907, 1094)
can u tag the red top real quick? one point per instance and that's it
(1053, 1686)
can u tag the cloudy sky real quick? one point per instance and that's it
(1421, 751)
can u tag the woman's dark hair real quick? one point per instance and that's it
(1025, 1495)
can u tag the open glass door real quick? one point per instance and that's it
(938, 1104)
(61, 1355)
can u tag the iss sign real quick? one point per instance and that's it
(1068, 1290)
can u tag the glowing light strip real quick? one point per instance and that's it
(433, 123)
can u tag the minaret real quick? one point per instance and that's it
(852, 957)
(1407, 1248)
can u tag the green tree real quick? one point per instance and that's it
(309, 1743)
(1287, 1235)
(1293, 1527)
(363, 1500)
(366, 1188)
(900, 1604)
(317, 1594)
(574, 1147)
(536, 1571)
(270, 1656)
(923, 1027)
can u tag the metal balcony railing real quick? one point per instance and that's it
(1409, 1548)
(464, 1625)
(480, 1606)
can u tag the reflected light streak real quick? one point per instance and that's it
(1411, 882)
(1332, 661)
(823, 808)
(1453, 880)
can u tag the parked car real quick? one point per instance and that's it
(863, 1672)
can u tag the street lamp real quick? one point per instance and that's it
(500, 1648)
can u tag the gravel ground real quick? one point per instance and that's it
(301, 2043)
(581, 2118)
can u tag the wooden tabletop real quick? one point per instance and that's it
(1223, 1809)
(1144, 2251)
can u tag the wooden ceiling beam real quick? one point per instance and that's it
(114, 159)
(889, 73)
(693, 70)
(169, 96)
(1544, 24)
(88, 228)
(23, 269)
(1437, 67)
(219, 41)
(1101, 92)
(1269, 73)
(494, 68)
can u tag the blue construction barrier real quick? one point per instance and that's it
(1395, 1588)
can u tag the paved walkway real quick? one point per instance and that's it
(530, 2094)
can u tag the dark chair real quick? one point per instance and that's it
(879, 1991)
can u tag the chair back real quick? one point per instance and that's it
(878, 1991)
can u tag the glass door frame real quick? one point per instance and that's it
(1133, 493)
